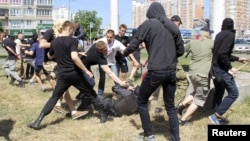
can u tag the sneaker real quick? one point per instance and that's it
(79, 114)
(59, 109)
(21, 84)
(180, 109)
(43, 89)
(31, 82)
(146, 138)
(215, 120)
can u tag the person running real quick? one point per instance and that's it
(39, 58)
(45, 43)
(10, 64)
(164, 45)
(223, 71)
(65, 50)
(201, 55)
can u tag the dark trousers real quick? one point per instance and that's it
(63, 83)
(101, 84)
(29, 70)
(230, 86)
(167, 79)
(219, 93)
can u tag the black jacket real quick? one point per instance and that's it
(223, 46)
(162, 38)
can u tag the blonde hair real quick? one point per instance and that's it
(101, 45)
(57, 27)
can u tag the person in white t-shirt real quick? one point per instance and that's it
(113, 47)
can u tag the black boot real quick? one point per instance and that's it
(12, 80)
(35, 125)
(103, 116)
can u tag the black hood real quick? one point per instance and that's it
(228, 24)
(155, 10)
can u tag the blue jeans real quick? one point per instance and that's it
(167, 79)
(230, 86)
(90, 80)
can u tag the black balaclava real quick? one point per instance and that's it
(228, 24)
(156, 10)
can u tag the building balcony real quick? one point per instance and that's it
(45, 6)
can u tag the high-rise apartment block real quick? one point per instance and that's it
(26, 16)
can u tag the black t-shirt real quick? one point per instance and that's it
(125, 41)
(94, 58)
(61, 48)
(49, 36)
(11, 44)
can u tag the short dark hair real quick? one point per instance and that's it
(111, 31)
(123, 26)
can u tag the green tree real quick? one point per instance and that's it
(1, 27)
(87, 17)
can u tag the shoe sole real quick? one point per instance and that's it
(85, 113)
(59, 111)
(213, 121)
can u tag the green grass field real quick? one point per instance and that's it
(21, 106)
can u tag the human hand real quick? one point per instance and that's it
(233, 71)
(243, 60)
(89, 74)
(123, 84)
(18, 57)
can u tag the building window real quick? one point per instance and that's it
(15, 12)
(16, 23)
(44, 2)
(28, 12)
(4, 12)
(15, 2)
(28, 2)
(44, 12)
(29, 24)
(45, 21)
(3, 1)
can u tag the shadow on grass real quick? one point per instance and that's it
(59, 120)
(159, 125)
(5, 128)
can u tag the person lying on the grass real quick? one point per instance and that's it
(126, 104)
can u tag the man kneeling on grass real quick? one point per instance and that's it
(70, 73)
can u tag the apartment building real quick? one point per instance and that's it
(239, 11)
(26, 16)
(61, 13)
(190, 11)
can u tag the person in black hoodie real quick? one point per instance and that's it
(223, 71)
(164, 44)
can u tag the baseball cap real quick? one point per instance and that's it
(176, 18)
(206, 29)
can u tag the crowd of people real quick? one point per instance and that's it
(62, 48)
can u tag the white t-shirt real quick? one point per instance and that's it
(112, 49)
(18, 48)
